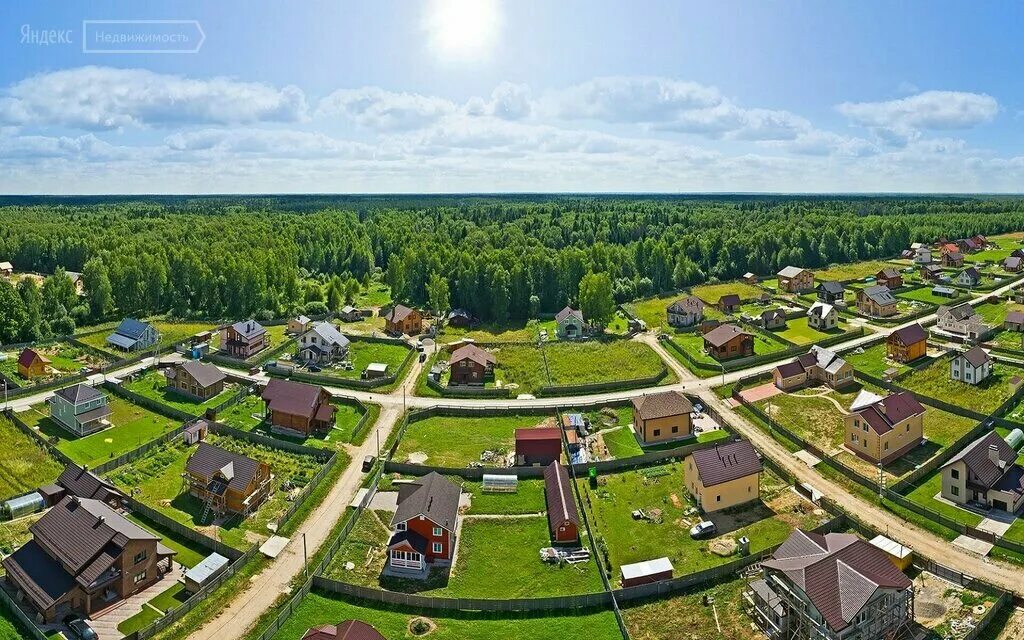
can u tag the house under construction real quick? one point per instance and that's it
(832, 586)
(227, 483)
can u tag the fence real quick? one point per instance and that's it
(597, 387)
(464, 391)
(26, 623)
(35, 435)
(181, 530)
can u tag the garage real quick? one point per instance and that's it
(1000, 504)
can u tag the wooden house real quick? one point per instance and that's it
(830, 291)
(227, 483)
(729, 303)
(244, 339)
(889, 277)
(795, 280)
(424, 526)
(728, 341)
(471, 365)
(296, 408)
(32, 364)
(403, 320)
(907, 344)
(195, 379)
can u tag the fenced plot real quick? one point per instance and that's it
(65, 359)
(457, 441)
(798, 331)
(934, 381)
(170, 333)
(24, 463)
(153, 385)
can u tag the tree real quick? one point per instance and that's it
(12, 313)
(438, 295)
(596, 300)
(501, 282)
(534, 306)
(96, 280)
(33, 328)
(58, 293)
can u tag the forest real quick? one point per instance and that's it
(502, 257)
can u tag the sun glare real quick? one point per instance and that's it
(462, 29)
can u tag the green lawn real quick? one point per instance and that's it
(924, 494)
(528, 498)
(377, 294)
(994, 313)
(924, 294)
(653, 310)
(153, 385)
(710, 293)
(853, 271)
(346, 418)
(799, 332)
(140, 620)
(622, 443)
(456, 441)
(170, 333)
(873, 361)
(317, 609)
(245, 415)
(189, 553)
(25, 465)
(364, 352)
(934, 381)
(521, 331)
(662, 618)
(15, 533)
(133, 426)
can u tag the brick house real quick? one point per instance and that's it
(296, 408)
(403, 320)
(195, 379)
(876, 301)
(819, 365)
(953, 259)
(724, 476)
(728, 341)
(424, 526)
(882, 429)
(226, 482)
(471, 365)
(244, 339)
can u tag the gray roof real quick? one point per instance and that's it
(237, 469)
(982, 471)
(832, 286)
(78, 394)
(209, 565)
(132, 328)
(726, 462)
(329, 333)
(205, 374)
(689, 304)
(959, 312)
(432, 496)
(661, 405)
(248, 329)
(568, 311)
(790, 272)
(880, 294)
(398, 313)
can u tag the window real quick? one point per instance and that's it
(887, 446)
(854, 438)
(139, 577)
(675, 429)
(437, 532)
(718, 498)
(657, 432)
(438, 547)
(955, 474)
(955, 491)
(139, 557)
(400, 526)
(865, 443)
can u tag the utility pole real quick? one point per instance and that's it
(305, 558)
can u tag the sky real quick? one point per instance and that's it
(525, 96)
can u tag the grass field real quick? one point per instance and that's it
(156, 481)
(662, 619)
(317, 609)
(24, 465)
(528, 497)
(924, 294)
(14, 533)
(653, 310)
(377, 294)
(994, 313)
(874, 361)
(853, 271)
(934, 381)
(766, 523)
(153, 385)
(133, 426)
(189, 553)
(799, 332)
(65, 359)
(522, 331)
(170, 332)
(346, 418)
(710, 293)
(693, 344)
(245, 415)
(456, 441)
(364, 352)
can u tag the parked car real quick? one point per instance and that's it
(423, 357)
(703, 529)
(368, 463)
(80, 628)
(314, 368)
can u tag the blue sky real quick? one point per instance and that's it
(485, 95)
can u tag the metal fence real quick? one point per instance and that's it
(597, 387)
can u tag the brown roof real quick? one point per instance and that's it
(722, 334)
(689, 304)
(976, 356)
(911, 334)
(83, 483)
(887, 273)
(433, 496)
(661, 405)
(205, 375)
(726, 462)
(398, 313)
(474, 353)
(982, 471)
(839, 572)
(28, 356)
(539, 433)
(883, 415)
(237, 469)
(560, 501)
(730, 299)
(347, 630)
(292, 398)
(1015, 317)
(78, 394)
(790, 369)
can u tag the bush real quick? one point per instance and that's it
(316, 308)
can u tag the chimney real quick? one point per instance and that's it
(99, 523)
(993, 454)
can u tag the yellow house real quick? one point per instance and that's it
(724, 476)
(882, 429)
(658, 417)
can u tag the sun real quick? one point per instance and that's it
(462, 29)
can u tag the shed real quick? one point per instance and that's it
(646, 572)
(563, 518)
(195, 432)
(900, 555)
(375, 370)
(539, 445)
(201, 574)
(500, 483)
(23, 505)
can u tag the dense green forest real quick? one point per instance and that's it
(503, 257)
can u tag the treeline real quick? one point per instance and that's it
(501, 257)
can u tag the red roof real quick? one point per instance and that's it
(28, 356)
(347, 630)
(890, 411)
(539, 433)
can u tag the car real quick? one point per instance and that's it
(80, 628)
(314, 368)
(419, 348)
(703, 529)
(423, 357)
(368, 463)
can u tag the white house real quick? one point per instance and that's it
(922, 255)
(972, 366)
(969, 277)
(323, 343)
(822, 316)
(962, 321)
(685, 312)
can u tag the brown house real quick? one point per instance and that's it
(84, 557)
(243, 340)
(226, 482)
(401, 319)
(889, 277)
(931, 273)
(662, 416)
(724, 476)
(796, 280)
(470, 365)
(297, 408)
(32, 364)
(347, 630)
(563, 518)
(908, 343)
(729, 303)
(195, 379)
(79, 481)
(953, 259)
(728, 341)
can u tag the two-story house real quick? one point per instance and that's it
(685, 312)
(294, 408)
(724, 476)
(424, 526)
(882, 429)
(972, 366)
(795, 279)
(244, 339)
(32, 364)
(661, 416)
(226, 482)
(729, 303)
(403, 320)
(985, 472)
(728, 341)
(822, 316)
(830, 291)
(773, 319)
(470, 364)
(969, 277)
(195, 379)
(876, 300)
(962, 321)
(569, 324)
(134, 335)
(80, 409)
(323, 343)
(889, 277)
(907, 343)
(952, 260)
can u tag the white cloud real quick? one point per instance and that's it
(636, 99)
(508, 101)
(265, 142)
(898, 121)
(375, 108)
(97, 98)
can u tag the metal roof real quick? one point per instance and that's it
(726, 462)
(209, 565)
(646, 568)
(433, 496)
(79, 394)
(661, 405)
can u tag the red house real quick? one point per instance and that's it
(538, 446)
(424, 526)
(347, 630)
(563, 518)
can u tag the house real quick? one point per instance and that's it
(227, 483)
(819, 365)
(84, 557)
(563, 518)
(424, 526)
(80, 409)
(662, 416)
(750, 278)
(195, 379)
(1018, 295)
(685, 312)
(969, 277)
(876, 300)
(889, 277)
(77, 282)
(882, 429)
(1014, 321)
(296, 408)
(375, 370)
(932, 273)
(134, 335)
(822, 316)
(969, 245)
(728, 341)
(349, 313)
(538, 446)
(347, 630)
(1013, 264)
(244, 339)
(795, 279)
(323, 343)
(922, 256)
(729, 303)
(460, 318)
(952, 259)
(985, 472)
(569, 324)
(79, 481)
(32, 364)
(907, 254)
(724, 476)
(6, 269)
(907, 343)
(1017, 253)
(403, 320)
(962, 321)
(948, 247)
(972, 366)
(831, 586)
(773, 319)
(299, 324)
(471, 365)
(980, 240)
(944, 292)
(830, 291)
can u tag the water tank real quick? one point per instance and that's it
(23, 505)
(1015, 439)
(744, 546)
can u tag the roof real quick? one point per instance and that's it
(790, 369)
(1015, 317)
(432, 496)
(539, 433)
(78, 394)
(790, 272)
(821, 309)
(879, 294)
(887, 272)
(567, 312)
(891, 547)
(838, 572)
(816, 356)
(238, 470)
(473, 353)
(729, 299)
(459, 313)
(347, 630)
(43, 578)
(772, 314)
(689, 304)
(28, 356)
(209, 565)
(975, 356)
(646, 568)
(749, 274)
(292, 398)
(379, 367)
(938, 289)
(560, 502)
(661, 405)
(882, 415)
(726, 462)
(975, 456)
(83, 483)
(248, 329)
(831, 286)
(329, 333)
(398, 313)
(970, 272)
(122, 341)
(6, 266)
(722, 334)
(959, 312)
(132, 328)
(910, 334)
(303, 320)
(954, 255)
(205, 374)
(1012, 262)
